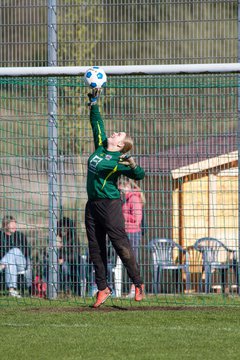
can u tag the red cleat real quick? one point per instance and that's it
(139, 292)
(102, 296)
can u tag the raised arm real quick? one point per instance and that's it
(97, 125)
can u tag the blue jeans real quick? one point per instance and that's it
(15, 264)
(135, 239)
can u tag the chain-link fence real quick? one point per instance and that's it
(184, 127)
(119, 32)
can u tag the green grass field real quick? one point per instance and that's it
(70, 331)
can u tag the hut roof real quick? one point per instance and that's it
(207, 152)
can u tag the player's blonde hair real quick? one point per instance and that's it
(128, 144)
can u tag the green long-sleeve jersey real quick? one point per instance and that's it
(104, 168)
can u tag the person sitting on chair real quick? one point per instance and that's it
(69, 258)
(70, 255)
(15, 255)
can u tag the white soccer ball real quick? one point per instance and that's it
(95, 77)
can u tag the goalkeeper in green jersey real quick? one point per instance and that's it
(103, 215)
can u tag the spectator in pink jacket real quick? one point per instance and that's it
(133, 202)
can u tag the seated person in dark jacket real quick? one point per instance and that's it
(69, 255)
(15, 255)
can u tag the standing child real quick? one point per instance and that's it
(132, 207)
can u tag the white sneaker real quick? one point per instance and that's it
(14, 293)
(131, 294)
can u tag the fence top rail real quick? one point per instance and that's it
(122, 70)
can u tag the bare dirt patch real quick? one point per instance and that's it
(79, 309)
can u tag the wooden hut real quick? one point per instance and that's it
(193, 190)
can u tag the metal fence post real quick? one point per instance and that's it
(52, 153)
